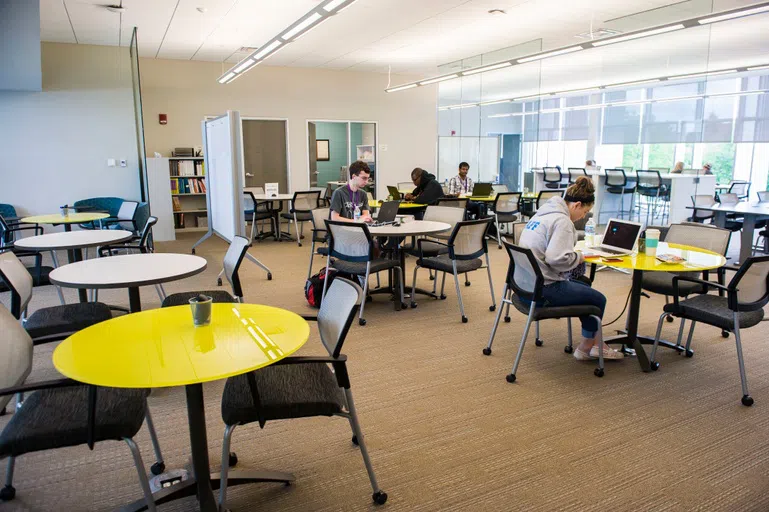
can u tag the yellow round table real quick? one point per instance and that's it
(697, 260)
(402, 206)
(162, 348)
(482, 199)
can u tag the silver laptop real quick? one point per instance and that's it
(618, 239)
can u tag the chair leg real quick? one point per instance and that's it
(414, 287)
(654, 364)
(378, 496)
(511, 377)
(459, 294)
(229, 429)
(161, 292)
(403, 285)
(599, 371)
(8, 492)
(746, 398)
(361, 320)
(296, 229)
(325, 282)
(253, 225)
(159, 466)
(443, 285)
(467, 280)
(570, 347)
(537, 341)
(689, 353)
(487, 350)
(680, 333)
(491, 285)
(499, 236)
(143, 480)
(312, 255)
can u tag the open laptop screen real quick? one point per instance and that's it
(621, 234)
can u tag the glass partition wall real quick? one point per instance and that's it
(721, 118)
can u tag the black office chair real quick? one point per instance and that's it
(300, 210)
(466, 246)
(553, 177)
(576, 172)
(46, 324)
(649, 187)
(506, 210)
(64, 412)
(740, 188)
(232, 261)
(319, 235)
(525, 282)
(257, 211)
(39, 271)
(618, 184)
(742, 308)
(352, 246)
(301, 387)
(545, 196)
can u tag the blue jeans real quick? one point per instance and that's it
(575, 293)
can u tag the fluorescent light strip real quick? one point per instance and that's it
(707, 73)
(302, 27)
(732, 15)
(439, 79)
(637, 82)
(756, 68)
(333, 4)
(401, 88)
(486, 68)
(466, 105)
(226, 78)
(267, 49)
(497, 102)
(638, 35)
(244, 65)
(549, 54)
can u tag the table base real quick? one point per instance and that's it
(189, 487)
(635, 347)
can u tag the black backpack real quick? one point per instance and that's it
(313, 287)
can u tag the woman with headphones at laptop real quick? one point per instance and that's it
(551, 236)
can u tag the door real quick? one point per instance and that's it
(264, 153)
(312, 144)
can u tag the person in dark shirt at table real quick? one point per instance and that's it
(427, 190)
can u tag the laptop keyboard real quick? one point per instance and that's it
(611, 251)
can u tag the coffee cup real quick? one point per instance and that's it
(652, 240)
(201, 306)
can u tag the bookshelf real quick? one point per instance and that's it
(188, 193)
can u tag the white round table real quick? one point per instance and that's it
(74, 239)
(73, 242)
(413, 228)
(128, 271)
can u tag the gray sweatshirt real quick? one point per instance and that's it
(551, 236)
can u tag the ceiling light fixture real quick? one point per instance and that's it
(699, 75)
(401, 88)
(757, 68)
(684, 24)
(637, 82)
(486, 68)
(737, 13)
(638, 35)
(495, 102)
(310, 20)
(466, 105)
(438, 79)
(547, 55)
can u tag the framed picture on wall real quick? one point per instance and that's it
(365, 153)
(324, 154)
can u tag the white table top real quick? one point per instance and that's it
(74, 239)
(127, 271)
(742, 207)
(279, 197)
(414, 228)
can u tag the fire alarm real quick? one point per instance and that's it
(163, 118)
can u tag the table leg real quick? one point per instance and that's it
(134, 300)
(631, 337)
(73, 256)
(720, 219)
(196, 416)
(746, 241)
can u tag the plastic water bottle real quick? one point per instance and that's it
(590, 233)
(356, 213)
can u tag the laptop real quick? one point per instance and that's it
(394, 192)
(387, 213)
(618, 239)
(481, 190)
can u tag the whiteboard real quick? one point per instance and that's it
(482, 153)
(224, 175)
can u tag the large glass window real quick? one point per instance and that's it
(721, 157)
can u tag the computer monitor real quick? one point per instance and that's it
(621, 235)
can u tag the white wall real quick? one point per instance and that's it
(187, 91)
(55, 143)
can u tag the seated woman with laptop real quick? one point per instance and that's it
(551, 236)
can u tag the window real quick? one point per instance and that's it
(721, 157)
(661, 155)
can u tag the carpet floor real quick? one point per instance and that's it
(444, 429)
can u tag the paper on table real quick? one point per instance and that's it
(271, 189)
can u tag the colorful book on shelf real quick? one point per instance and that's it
(176, 204)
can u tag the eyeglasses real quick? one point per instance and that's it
(362, 178)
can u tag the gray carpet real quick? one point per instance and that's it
(444, 429)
